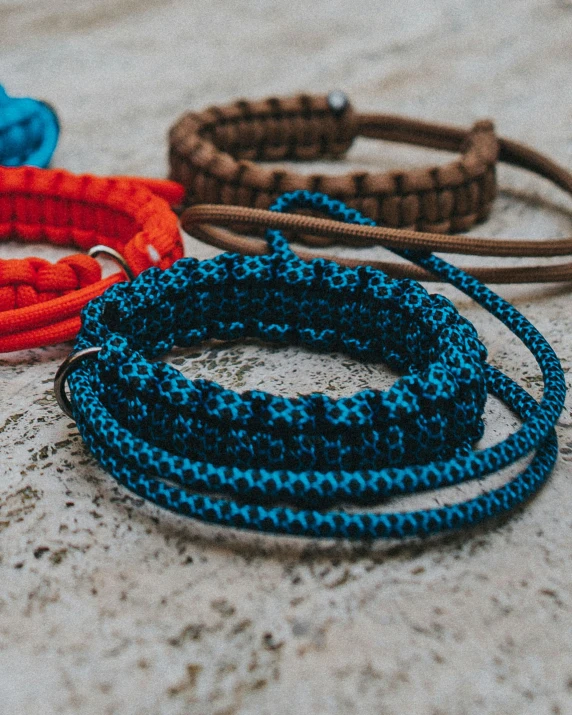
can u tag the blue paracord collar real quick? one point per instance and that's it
(312, 466)
(29, 131)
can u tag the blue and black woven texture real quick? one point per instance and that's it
(29, 131)
(312, 466)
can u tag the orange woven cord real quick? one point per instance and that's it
(171, 191)
(40, 301)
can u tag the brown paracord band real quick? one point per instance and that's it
(195, 221)
(481, 147)
(213, 154)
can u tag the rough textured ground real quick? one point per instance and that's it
(111, 606)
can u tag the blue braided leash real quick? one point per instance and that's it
(29, 131)
(311, 466)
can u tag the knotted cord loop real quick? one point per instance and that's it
(40, 301)
(29, 131)
(308, 465)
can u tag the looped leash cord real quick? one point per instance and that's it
(40, 302)
(211, 156)
(280, 465)
(29, 131)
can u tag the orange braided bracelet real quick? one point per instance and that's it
(40, 302)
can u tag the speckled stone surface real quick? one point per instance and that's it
(110, 606)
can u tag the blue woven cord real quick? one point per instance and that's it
(281, 465)
(29, 131)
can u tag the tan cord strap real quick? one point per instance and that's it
(196, 222)
(214, 153)
(227, 241)
(388, 237)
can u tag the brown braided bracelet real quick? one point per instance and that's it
(464, 204)
(197, 219)
(213, 155)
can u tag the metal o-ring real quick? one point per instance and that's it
(71, 363)
(100, 249)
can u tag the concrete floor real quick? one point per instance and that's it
(109, 605)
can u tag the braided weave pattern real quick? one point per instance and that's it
(29, 281)
(29, 131)
(213, 154)
(282, 465)
(39, 301)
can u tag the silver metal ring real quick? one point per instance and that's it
(100, 249)
(72, 362)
